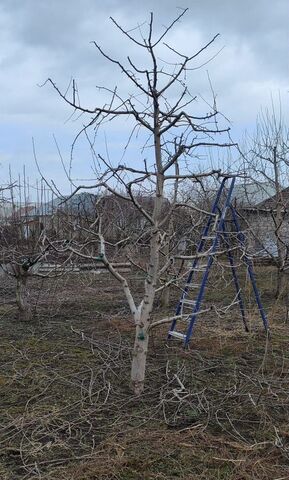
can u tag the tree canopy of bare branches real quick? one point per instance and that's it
(166, 114)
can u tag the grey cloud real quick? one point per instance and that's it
(61, 31)
(42, 38)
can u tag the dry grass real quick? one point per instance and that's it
(217, 411)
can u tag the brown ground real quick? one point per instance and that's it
(217, 411)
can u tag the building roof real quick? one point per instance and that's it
(270, 203)
(252, 194)
(82, 203)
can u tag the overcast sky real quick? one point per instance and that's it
(41, 38)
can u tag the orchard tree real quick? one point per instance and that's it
(267, 160)
(21, 243)
(166, 116)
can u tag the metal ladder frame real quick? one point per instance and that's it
(220, 230)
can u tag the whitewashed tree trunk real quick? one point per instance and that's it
(139, 359)
(142, 318)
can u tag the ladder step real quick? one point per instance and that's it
(201, 268)
(192, 285)
(209, 237)
(188, 302)
(179, 335)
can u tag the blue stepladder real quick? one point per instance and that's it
(214, 231)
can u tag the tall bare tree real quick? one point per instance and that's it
(267, 161)
(167, 116)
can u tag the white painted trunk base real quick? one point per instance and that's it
(138, 366)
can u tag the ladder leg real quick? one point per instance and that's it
(198, 302)
(251, 272)
(199, 250)
(214, 210)
(220, 227)
(219, 224)
(236, 280)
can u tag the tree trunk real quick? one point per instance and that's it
(22, 298)
(282, 284)
(165, 297)
(138, 366)
(282, 279)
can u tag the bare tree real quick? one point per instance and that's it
(267, 161)
(23, 229)
(166, 115)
